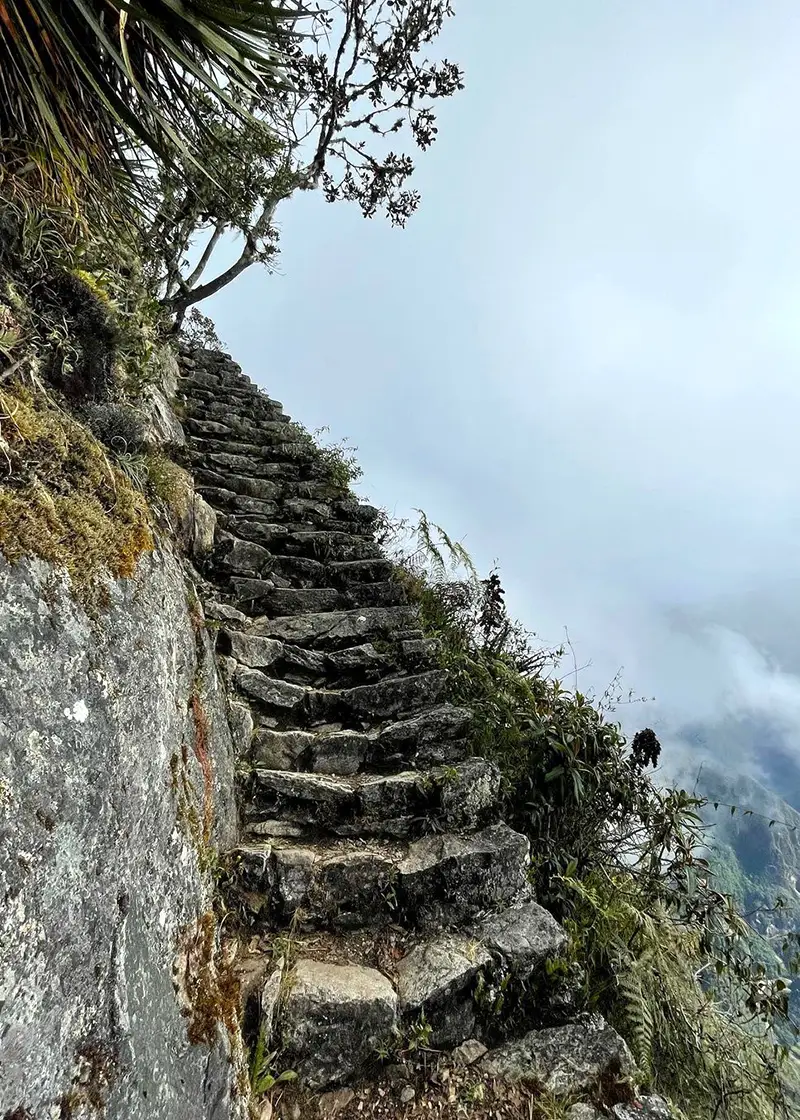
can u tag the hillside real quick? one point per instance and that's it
(296, 820)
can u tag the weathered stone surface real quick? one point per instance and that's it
(395, 696)
(249, 486)
(306, 664)
(272, 693)
(439, 881)
(524, 936)
(468, 791)
(331, 546)
(583, 1111)
(270, 996)
(301, 571)
(240, 719)
(386, 805)
(434, 726)
(436, 979)
(281, 750)
(223, 612)
(251, 529)
(579, 1058)
(307, 509)
(97, 875)
(299, 798)
(340, 752)
(258, 507)
(361, 662)
(468, 1052)
(204, 527)
(335, 629)
(241, 557)
(442, 876)
(645, 1108)
(374, 568)
(334, 1018)
(162, 425)
(250, 650)
(386, 594)
(250, 593)
(292, 601)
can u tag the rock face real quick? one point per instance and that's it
(98, 874)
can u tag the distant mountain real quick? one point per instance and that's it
(751, 744)
(754, 852)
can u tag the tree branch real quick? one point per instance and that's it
(179, 303)
(202, 264)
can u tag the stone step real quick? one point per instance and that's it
(255, 408)
(301, 571)
(194, 392)
(258, 431)
(341, 669)
(583, 1058)
(331, 547)
(441, 981)
(465, 984)
(240, 409)
(226, 501)
(264, 485)
(212, 385)
(334, 539)
(396, 805)
(437, 882)
(388, 593)
(356, 707)
(290, 601)
(205, 446)
(235, 556)
(432, 738)
(346, 573)
(338, 629)
(333, 1020)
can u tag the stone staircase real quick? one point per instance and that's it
(381, 895)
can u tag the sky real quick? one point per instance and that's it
(582, 355)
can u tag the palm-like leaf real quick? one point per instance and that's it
(81, 79)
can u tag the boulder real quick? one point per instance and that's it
(333, 1020)
(586, 1057)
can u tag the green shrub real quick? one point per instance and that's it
(666, 957)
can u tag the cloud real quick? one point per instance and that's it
(581, 356)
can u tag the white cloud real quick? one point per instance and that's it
(582, 354)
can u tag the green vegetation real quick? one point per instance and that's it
(262, 1078)
(664, 953)
(127, 133)
(82, 84)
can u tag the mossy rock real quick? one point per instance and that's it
(61, 499)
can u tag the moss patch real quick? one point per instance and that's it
(210, 986)
(60, 497)
(170, 484)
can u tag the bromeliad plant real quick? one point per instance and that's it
(83, 82)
